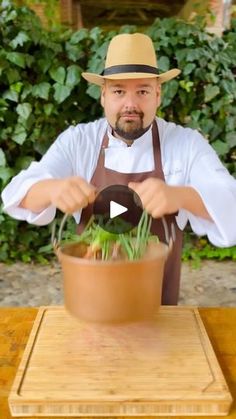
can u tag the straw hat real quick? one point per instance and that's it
(131, 56)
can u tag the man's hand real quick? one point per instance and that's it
(159, 199)
(72, 194)
(68, 194)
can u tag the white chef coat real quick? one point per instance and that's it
(187, 159)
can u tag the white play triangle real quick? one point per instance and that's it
(116, 209)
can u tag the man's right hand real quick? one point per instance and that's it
(72, 194)
(69, 194)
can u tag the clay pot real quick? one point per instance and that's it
(112, 291)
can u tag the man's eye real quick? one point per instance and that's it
(118, 92)
(143, 92)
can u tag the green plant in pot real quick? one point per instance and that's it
(112, 278)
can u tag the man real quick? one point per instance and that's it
(173, 169)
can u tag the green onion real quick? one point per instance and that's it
(99, 241)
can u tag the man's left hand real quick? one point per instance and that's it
(156, 196)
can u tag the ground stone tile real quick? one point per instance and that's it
(212, 284)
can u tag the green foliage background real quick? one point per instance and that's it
(42, 92)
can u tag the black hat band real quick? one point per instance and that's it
(130, 68)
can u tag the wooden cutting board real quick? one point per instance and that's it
(164, 367)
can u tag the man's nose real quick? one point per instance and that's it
(130, 101)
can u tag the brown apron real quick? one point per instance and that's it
(104, 177)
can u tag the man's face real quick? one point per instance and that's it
(130, 105)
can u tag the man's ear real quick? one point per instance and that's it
(102, 96)
(158, 94)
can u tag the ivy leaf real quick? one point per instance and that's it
(41, 90)
(74, 52)
(188, 68)
(227, 86)
(16, 87)
(19, 135)
(169, 91)
(2, 158)
(27, 90)
(17, 58)
(13, 75)
(58, 74)
(11, 15)
(5, 174)
(24, 110)
(94, 91)
(20, 39)
(95, 33)
(195, 115)
(102, 51)
(73, 75)
(230, 120)
(192, 54)
(3, 106)
(45, 60)
(23, 162)
(230, 138)
(11, 95)
(210, 92)
(29, 59)
(61, 92)
(164, 63)
(48, 108)
(220, 147)
(79, 36)
(96, 65)
(186, 85)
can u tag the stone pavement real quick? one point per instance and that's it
(213, 284)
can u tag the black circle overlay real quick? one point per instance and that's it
(122, 195)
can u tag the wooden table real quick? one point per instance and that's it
(16, 324)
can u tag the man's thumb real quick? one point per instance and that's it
(132, 185)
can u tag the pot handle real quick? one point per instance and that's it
(55, 241)
(170, 236)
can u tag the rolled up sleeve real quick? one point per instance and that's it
(56, 163)
(217, 189)
(13, 194)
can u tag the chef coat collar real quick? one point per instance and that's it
(117, 142)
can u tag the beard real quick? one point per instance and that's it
(130, 129)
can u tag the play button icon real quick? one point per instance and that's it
(117, 209)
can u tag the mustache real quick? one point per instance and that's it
(127, 113)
